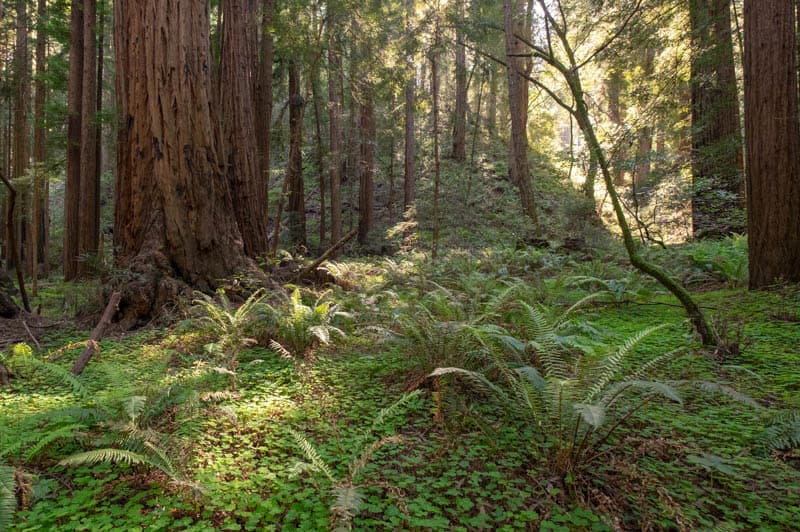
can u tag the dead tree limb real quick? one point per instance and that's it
(97, 334)
(325, 256)
(13, 250)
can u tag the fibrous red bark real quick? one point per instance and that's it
(174, 222)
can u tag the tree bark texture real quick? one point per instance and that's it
(519, 66)
(717, 162)
(89, 212)
(296, 212)
(409, 180)
(459, 152)
(773, 141)
(72, 192)
(237, 101)
(263, 99)
(22, 97)
(335, 119)
(366, 174)
(39, 222)
(174, 213)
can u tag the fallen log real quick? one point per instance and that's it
(325, 256)
(97, 334)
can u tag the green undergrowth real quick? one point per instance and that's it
(453, 460)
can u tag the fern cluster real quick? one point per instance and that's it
(573, 403)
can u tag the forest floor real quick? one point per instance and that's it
(460, 463)
(189, 427)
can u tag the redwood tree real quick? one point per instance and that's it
(519, 67)
(335, 118)
(716, 129)
(237, 101)
(174, 213)
(459, 152)
(89, 190)
(773, 141)
(72, 192)
(296, 211)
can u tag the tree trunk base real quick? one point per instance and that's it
(150, 290)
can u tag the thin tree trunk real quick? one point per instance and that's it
(39, 222)
(366, 197)
(335, 114)
(22, 96)
(491, 115)
(263, 99)
(12, 241)
(519, 66)
(459, 152)
(435, 132)
(89, 216)
(409, 177)
(72, 195)
(294, 174)
(320, 154)
(772, 131)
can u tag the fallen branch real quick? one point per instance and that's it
(325, 256)
(35, 341)
(97, 334)
(4, 376)
(11, 233)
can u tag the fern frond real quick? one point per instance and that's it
(727, 391)
(8, 498)
(114, 456)
(61, 433)
(313, 456)
(358, 465)
(348, 500)
(616, 391)
(279, 349)
(783, 433)
(62, 375)
(612, 364)
(391, 409)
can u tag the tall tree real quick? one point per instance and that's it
(22, 96)
(409, 182)
(296, 211)
(263, 98)
(72, 194)
(366, 172)
(89, 212)
(772, 131)
(39, 212)
(237, 100)
(174, 213)
(716, 128)
(459, 152)
(517, 28)
(335, 75)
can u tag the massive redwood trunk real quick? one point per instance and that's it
(174, 213)
(237, 101)
(716, 130)
(519, 66)
(39, 212)
(773, 141)
(72, 192)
